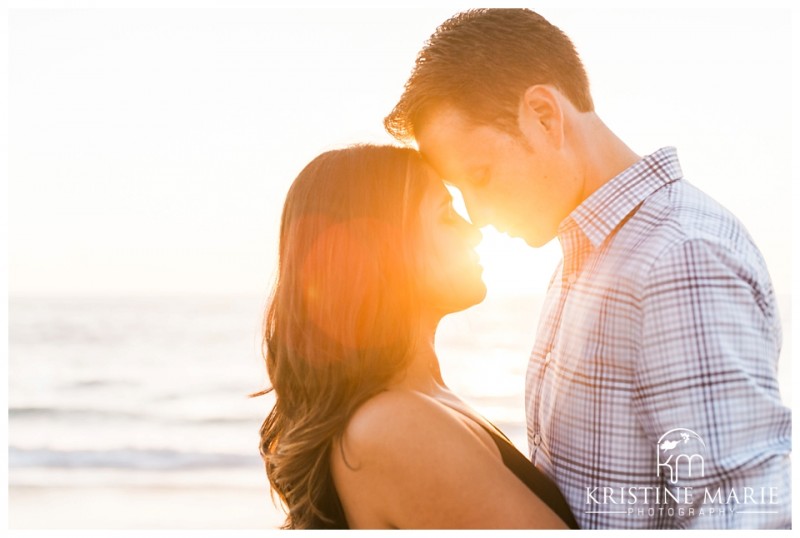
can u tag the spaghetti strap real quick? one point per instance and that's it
(538, 482)
(516, 462)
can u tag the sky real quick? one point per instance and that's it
(150, 150)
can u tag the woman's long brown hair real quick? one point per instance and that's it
(340, 322)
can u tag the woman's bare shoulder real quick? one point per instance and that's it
(396, 421)
(406, 461)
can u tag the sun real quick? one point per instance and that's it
(511, 266)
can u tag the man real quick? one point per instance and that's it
(652, 397)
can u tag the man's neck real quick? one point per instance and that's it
(603, 154)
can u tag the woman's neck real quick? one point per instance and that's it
(423, 373)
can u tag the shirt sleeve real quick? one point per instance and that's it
(709, 351)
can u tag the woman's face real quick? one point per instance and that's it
(448, 272)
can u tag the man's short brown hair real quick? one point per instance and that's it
(481, 61)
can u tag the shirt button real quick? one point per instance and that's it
(537, 439)
(572, 278)
(547, 357)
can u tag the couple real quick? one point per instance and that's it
(651, 392)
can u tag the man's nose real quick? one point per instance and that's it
(478, 213)
(475, 236)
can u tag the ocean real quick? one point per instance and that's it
(132, 412)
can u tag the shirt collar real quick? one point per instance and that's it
(608, 206)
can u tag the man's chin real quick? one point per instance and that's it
(536, 241)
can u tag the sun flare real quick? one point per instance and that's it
(510, 266)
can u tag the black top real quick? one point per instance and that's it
(536, 480)
(514, 460)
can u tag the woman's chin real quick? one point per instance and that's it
(469, 298)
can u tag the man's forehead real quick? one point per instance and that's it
(442, 121)
(460, 155)
(443, 139)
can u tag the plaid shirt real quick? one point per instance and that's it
(659, 337)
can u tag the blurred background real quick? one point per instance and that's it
(149, 154)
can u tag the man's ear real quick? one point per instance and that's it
(541, 115)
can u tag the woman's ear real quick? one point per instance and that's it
(541, 115)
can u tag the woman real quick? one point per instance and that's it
(364, 432)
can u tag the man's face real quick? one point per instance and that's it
(522, 186)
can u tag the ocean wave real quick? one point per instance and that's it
(66, 413)
(136, 459)
(16, 414)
